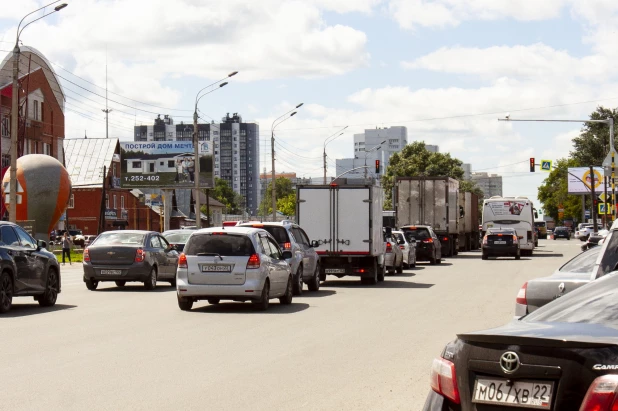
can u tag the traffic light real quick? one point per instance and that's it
(532, 164)
(377, 166)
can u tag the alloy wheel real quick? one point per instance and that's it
(6, 293)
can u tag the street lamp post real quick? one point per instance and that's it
(15, 108)
(329, 140)
(376, 148)
(610, 123)
(287, 116)
(196, 152)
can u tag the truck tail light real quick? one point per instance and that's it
(86, 255)
(182, 261)
(254, 261)
(444, 379)
(445, 238)
(140, 255)
(602, 395)
(521, 295)
(389, 248)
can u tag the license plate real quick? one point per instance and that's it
(524, 394)
(334, 270)
(208, 268)
(499, 242)
(111, 272)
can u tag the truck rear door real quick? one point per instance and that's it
(353, 220)
(314, 216)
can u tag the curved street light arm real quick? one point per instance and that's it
(346, 172)
(32, 12)
(205, 94)
(336, 135)
(273, 125)
(197, 96)
(285, 119)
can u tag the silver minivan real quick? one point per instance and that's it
(305, 262)
(233, 263)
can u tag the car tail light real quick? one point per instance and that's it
(402, 247)
(485, 240)
(218, 233)
(254, 261)
(287, 246)
(602, 395)
(521, 295)
(445, 238)
(444, 379)
(182, 261)
(86, 255)
(140, 255)
(514, 238)
(389, 248)
(428, 241)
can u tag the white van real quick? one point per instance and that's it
(511, 212)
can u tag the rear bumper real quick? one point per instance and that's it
(503, 250)
(250, 290)
(436, 402)
(135, 272)
(389, 259)
(424, 254)
(520, 310)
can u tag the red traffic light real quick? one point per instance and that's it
(532, 164)
(377, 166)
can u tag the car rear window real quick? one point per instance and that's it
(181, 237)
(583, 263)
(224, 244)
(417, 233)
(609, 258)
(279, 233)
(116, 238)
(595, 303)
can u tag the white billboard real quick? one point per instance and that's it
(580, 180)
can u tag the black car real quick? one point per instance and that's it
(562, 232)
(500, 242)
(561, 357)
(130, 255)
(27, 268)
(428, 247)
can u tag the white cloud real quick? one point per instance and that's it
(444, 13)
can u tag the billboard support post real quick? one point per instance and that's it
(167, 208)
(593, 201)
(610, 204)
(584, 208)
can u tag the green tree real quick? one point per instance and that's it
(223, 193)
(283, 188)
(416, 160)
(592, 145)
(287, 204)
(553, 191)
(471, 187)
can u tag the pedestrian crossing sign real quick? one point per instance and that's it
(605, 208)
(546, 165)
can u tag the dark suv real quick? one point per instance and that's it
(27, 269)
(562, 232)
(428, 247)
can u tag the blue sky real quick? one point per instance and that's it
(361, 63)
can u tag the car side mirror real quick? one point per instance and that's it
(286, 255)
(315, 243)
(41, 244)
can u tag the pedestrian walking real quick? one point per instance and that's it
(66, 247)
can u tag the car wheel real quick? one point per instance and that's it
(6, 292)
(151, 282)
(289, 293)
(433, 260)
(381, 273)
(185, 304)
(439, 261)
(173, 283)
(400, 268)
(92, 284)
(484, 256)
(314, 283)
(517, 257)
(120, 283)
(412, 265)
(262, 303)
(213, 301)
(49, 297)
(298, 281)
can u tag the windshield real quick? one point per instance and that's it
(179, 237)
(116, 238)
(280, 233)
(595, 303)
(416, 233)
(398, 237)
(582, 263)
(223, 244)
(539, 224)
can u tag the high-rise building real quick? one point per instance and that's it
(467, 168)
(236, 148)
(391, 139)
(491, 184)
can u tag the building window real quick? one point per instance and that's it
(114, 201)
(36, 110)
(122, 202)
(6, 127)
(72, 201)
(136, 164)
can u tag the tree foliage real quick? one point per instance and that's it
(553, 191)
(416, 160)
(592, 145)
(223, 193)
(287, 204)
(283, 189)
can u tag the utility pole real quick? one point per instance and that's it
(324, 164)
(107, 109)
(593, 201)
(273, 182)
(196, 172)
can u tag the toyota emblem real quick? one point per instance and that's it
(509, 362)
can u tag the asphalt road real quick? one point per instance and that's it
(346, 347)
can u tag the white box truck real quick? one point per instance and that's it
(345, 221)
